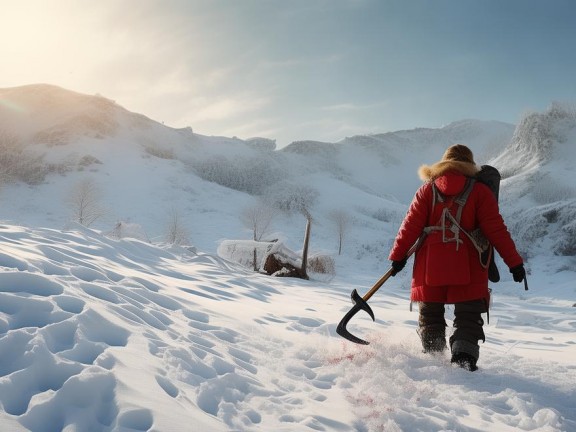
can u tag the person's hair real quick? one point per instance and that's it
(460, 153)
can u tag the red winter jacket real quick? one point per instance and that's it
(481, 210)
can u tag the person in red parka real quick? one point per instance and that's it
(447, 269)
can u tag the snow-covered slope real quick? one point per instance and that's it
(538, 168)
(144, 168)
(146, 172)
(106, 334)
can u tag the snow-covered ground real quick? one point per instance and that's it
(101, 334)
(106, 334)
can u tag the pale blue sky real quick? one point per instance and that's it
(299, 69)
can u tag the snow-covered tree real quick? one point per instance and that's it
(341, 220)
(85, 201)
(258, 218)
(176, 232)
(293, 198)
(247, 174)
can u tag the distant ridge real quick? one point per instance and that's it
(71, 136)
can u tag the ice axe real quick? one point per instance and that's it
(361, 303)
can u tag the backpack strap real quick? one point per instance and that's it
(455, 220)
(460, 200)
(455, 227)
(463, 197)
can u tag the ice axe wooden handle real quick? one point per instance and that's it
(378, 284)
(361, 303)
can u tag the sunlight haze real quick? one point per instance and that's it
(304, 69)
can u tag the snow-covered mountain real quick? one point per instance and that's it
(144, 168)
(146, 171)
(538, 170)
(104, 333)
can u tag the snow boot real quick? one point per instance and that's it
(465, 361)
(432, 327)
(433, 339)
(465, 354)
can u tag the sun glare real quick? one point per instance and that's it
(6, 103)
(43, 42)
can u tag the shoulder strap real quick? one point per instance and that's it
(436, 196)
(460, 199)
(463, 197)
(455, 227)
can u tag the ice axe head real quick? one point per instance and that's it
(359, 304)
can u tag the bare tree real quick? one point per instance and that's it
(258, 218)
(85, 200)
(341, 220)
(176, 232)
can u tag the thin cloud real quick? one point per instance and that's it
(226, 107)
(280, 64)
(355, 107)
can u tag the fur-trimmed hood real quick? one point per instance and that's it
(432, 172)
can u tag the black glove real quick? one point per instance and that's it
(518, 273)
(397, 266)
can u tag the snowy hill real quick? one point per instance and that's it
(105, 333)
(538, 170)
(143, 168)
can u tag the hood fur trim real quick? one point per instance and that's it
(431, 172)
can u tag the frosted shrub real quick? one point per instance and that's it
(551, 216)
(131, 230)
(528, 228)
(16, 164)
(322, 264)
(547, 191)
(387, 215)
(87, 160)
(292, 198)
(261, 144)
(377, 250)
(567, 246)
(251, 175)
(61, 168)
(159, 152)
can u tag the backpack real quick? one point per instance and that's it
(446, 262)
(491, 177)
(448, 222)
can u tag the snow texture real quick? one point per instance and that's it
(110, 329)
